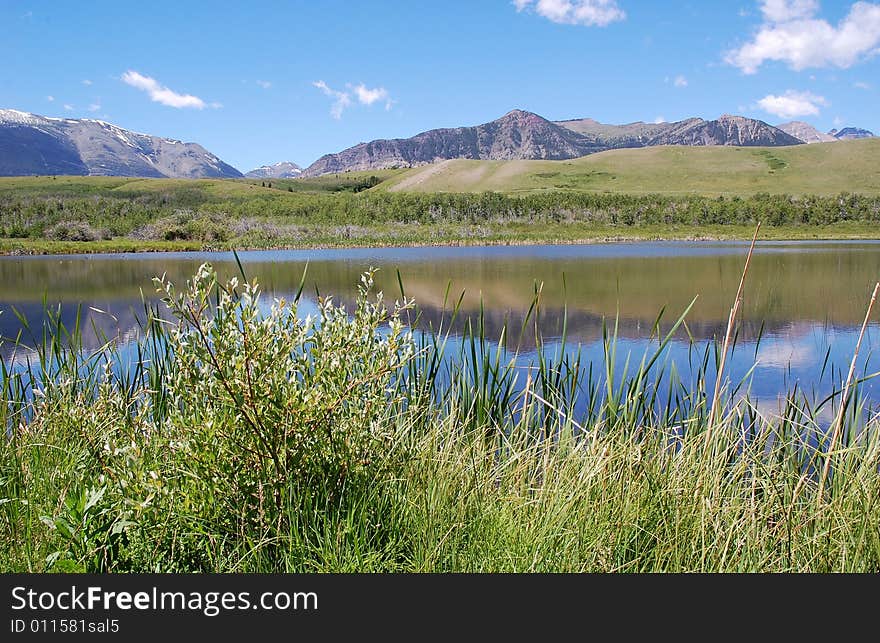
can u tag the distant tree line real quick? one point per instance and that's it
(609, 209)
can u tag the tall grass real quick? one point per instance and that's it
(240, 436)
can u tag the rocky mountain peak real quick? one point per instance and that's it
(851, 133)
(281, 170)
(522, 116)
(805, 132)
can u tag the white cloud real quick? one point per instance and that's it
(791, 33)
(265, 84)
(861, 85)
(50, 98)
(86, 82)
(838, 121)
(782, 355)
(341, 100)
(161, 94)
(94, 107)
(793, 104)
(369, 96)
(659, 119)
(363, 94)
(785, 10)
(680, 81)
(589, 13)
(68, 107)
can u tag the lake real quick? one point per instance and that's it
(804, 301)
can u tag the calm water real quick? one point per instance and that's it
(803, 299)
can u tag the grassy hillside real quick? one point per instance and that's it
(207, 189)
(822, 169)
(345, 182)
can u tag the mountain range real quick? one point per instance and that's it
(809, 134)
(524, 135)
(37, 145)
(32, 144)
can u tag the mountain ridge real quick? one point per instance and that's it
(523, 135)
(516, 135)
(31, 144)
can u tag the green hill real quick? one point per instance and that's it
(204, 189)
(821, 169)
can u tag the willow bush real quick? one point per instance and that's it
(266, 403)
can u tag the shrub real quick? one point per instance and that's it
(75, 231)
(184, 225)
(266, 402)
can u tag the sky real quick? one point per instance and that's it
(260, 83)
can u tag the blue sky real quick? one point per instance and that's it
(261, 83)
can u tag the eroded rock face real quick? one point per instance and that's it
(31, 144)
(726, 130)
(524, 135)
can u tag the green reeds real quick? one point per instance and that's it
(844, 401)
(731, 320)
(486, 456)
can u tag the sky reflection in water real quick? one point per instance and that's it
(802, 299)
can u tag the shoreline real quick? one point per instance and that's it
(835, 232)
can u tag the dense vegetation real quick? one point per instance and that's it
(342, 211)
(241, 437)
